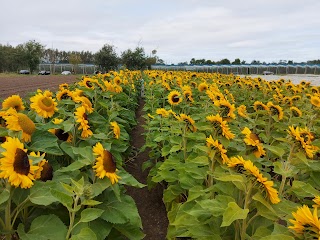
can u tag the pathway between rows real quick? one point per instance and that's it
(149, 203)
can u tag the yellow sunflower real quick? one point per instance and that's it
(242, 111)
(44, 105)
(296, 112)
(306, 223)
(203, 87)
(190, 122)
(82, 119)
(13, 101)
(275, 110)
(64, 94)
(252, 139)
(105, 164)
(221, 126)
(116, 129)
(84, 102)
(20, 122)
(15, 164)
(215, 144)
(226, 109)
(174, 97)
(315, 101)
(63, 86)
(257, 105)
(163, 112)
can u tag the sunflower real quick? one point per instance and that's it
(63, 86)
(174, 97)
(61, 134)
(105, 164)
(44, 105)
(242, 111)
(203, 87)
(82, 118)
(252, 139)
(221, 126)
(315, 100)
(15, 164)
(117, 80)
(163, 112)
(84, 102)
(215, 144)
(64, 94)
(275, 110)
(13, 101)
(260, 106)
(305, 222)
(44, 171)
(187, 93)
(296, 112)
(116, 129)
(190, 122)
(316, 200)
(87, 82)
(20, 122)
(226, 109)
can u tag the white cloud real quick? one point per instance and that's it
(179, 30)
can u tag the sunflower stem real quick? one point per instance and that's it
(8, 225)
(247, 201)
(72, 216)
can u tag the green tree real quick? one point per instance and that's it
(107, 58)
(31, 53)
(134, 60)
(224, 61)
(75, 60)
(237, 61)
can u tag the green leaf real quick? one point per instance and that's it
(40, 193)
(101, 228)
(90, 202)
(129, 180)
(76, 165)
(302, 189)
(275, 150)
(302, 157)
(90, 214)
(63, 198)
(278, 237)
(232, 213)
(85, 152)
(258, 197)
(4, 196)
(67, 148)
(85, 234)
(45, 141)
(99, 186)
(45, 227)
(131, 232)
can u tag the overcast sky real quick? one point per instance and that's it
(265, 30)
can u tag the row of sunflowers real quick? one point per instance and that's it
(62, 157)
(239, 156)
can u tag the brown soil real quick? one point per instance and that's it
(22, 85)
(149, 203)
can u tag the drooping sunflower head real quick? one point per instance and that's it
(82, 118)
(315, 101)
(43, 105)
(260, 106)
(296, 112)
(174, 97)
(15, 164)
(64, 94)
(85, 102)
(163, 112)
(116, 129)
(203, 87)
(189, 121)
(242, 111)
(105, 165)
(226, 109)
(275, 110)
(20, 122)
(13, 101)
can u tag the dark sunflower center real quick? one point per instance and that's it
(21, 163)
(62, 135)
(108, 162)
(295, 113)
(85, 116)
(274, 111)
(47, 172)
(260, 107)
(2, 139)
(88, 84)
(47, 102)
(65, 96)
(175, 99)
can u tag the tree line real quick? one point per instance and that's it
(237, 61)
(30, 54)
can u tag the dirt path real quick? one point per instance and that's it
(149, 203)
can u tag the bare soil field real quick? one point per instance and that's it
(21, 85)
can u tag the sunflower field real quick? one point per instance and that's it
(61, 161)
(238, 157)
